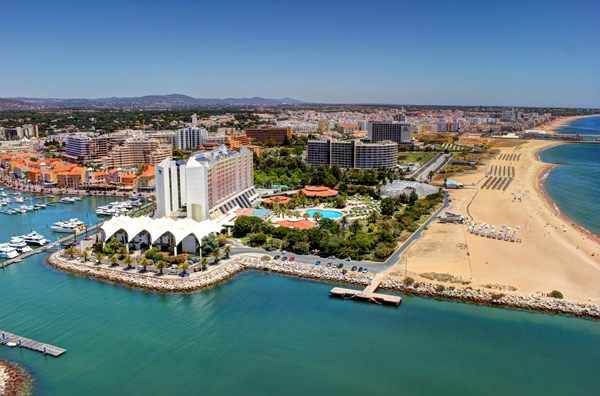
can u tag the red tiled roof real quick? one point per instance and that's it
(282, 199)
(318, 191)
(301, 224)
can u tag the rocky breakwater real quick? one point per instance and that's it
(550, 305)
(210, 278)
(14, 380)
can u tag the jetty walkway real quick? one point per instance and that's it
(368, 294)
(23, 342)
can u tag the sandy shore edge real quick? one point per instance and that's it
(324, 274)
(541, 188)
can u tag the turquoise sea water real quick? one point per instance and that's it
(575, 184)
(263, 334)
(327, 214)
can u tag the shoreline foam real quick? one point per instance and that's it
(304, 271)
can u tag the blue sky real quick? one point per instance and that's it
(522, 53)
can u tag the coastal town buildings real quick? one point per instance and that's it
(353, 154)
(135, 152)
(206, 186)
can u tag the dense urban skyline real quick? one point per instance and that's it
(466, 53)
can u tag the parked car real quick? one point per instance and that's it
(284, 258)
(353, 268)
(331, 257)
(329, 264)
(292, 258)
(284, 251)
(365, 270)
(318, 263)
(360, 269)
(340, 265)
(277, 257)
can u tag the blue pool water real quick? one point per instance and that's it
(327, 214)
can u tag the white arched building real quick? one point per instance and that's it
(143, 232)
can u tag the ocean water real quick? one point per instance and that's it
(574, 185)
(583, 126)
(264, 334)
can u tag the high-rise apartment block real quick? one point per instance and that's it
(353, 154)
(399, 132)
(270, 134)
(206, 186)
(85, 148)
(190, 138)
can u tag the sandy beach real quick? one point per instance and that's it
(546, 258)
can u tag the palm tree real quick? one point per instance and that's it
(128, 260)
(71, 251)
(84, 255)
(355, 226)
(113, 260)
(216, 254)
(160, 265)
(344, 220)
(184, 266)
(204, 263)
(144, 263)
(99, 257)
(373, 217)
(227, 250)
(317, 216)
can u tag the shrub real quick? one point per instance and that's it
(408, 281)
(416, 284)
(556, 294)
(440, 288)
(265, 258)
(497, 296)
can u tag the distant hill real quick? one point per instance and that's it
(143, 102)
(13, 104)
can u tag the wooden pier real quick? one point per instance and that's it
(368, 294)
(23, 342)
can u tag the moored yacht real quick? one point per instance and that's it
(19, 244)
(34, 238)
(7, 251)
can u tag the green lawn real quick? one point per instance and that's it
(420, 157)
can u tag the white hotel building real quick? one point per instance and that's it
(206, 186)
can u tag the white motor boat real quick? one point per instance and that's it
(19, 244)
(34, 238)
(7, 251)
(19, 199)
(65, 226)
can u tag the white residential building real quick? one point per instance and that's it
(190, 138)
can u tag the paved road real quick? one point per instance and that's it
(372, 266)
(432, 166)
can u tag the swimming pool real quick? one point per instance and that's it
(326, 214)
